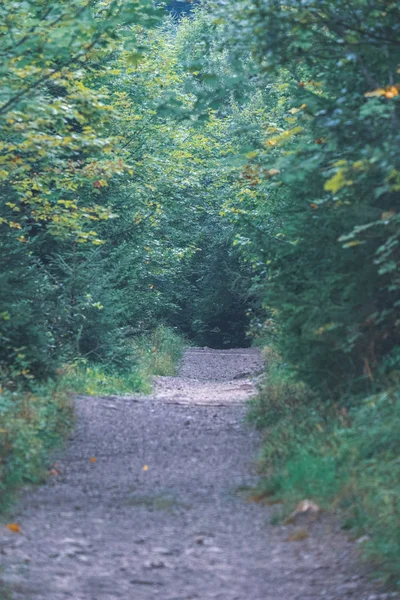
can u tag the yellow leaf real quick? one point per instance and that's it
(293, 111)
(353, 243)
(145, 468)
(390, 91)
(14, 527)
(93, 459)
(375, 93)
(337, 182)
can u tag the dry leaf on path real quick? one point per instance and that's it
(14, 527)
(305, 510)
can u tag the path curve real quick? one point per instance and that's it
(157, 514)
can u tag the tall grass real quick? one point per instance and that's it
(159, 352)
(347, 459)
(155, 353)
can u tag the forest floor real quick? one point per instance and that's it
(145, 504)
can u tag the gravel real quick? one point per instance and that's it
(146, 505)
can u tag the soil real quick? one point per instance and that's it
(147, 503)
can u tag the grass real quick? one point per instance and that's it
(91, 379)
(32, 423)
(159, 352)
(154, 353)
(346, 459)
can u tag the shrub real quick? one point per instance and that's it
(154, 353)
(340, 458)
(32, 424)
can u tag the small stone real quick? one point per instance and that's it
(199, 540)
(154, 564)
(164, 551)
(83, 558)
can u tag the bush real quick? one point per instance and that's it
(159, 352)
(32, 424)
(154, 353)
(342, 459)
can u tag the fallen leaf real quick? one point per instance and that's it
(306, 510)
(93, 459)
(54, 472)
(14, 527)
(145, 468)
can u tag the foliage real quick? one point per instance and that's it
(32, 423)
(91, 379)
(159, 352)
(319, 212)
(345, 460)
(154, 353)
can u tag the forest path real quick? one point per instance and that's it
(158, 515)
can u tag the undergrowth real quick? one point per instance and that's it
(154, 353)
(159, 352)
(345, 459)
(32, 423)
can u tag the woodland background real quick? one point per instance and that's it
(224, 173)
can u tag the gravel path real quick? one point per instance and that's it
(157, 514)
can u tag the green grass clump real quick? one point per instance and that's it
(32, 423)
(93, 379)
(154, 353)
(159, 352)
(341, 458)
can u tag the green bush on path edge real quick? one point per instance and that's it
(345, 459)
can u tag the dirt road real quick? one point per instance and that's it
(146, 505)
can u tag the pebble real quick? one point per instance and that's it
(154, 564)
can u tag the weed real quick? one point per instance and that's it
(32, 424)
(99, 380)
(342, 459)
(154, 353)
(159, 352)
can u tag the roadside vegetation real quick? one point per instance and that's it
(233, 174)
(155, 353)
(344, 458)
